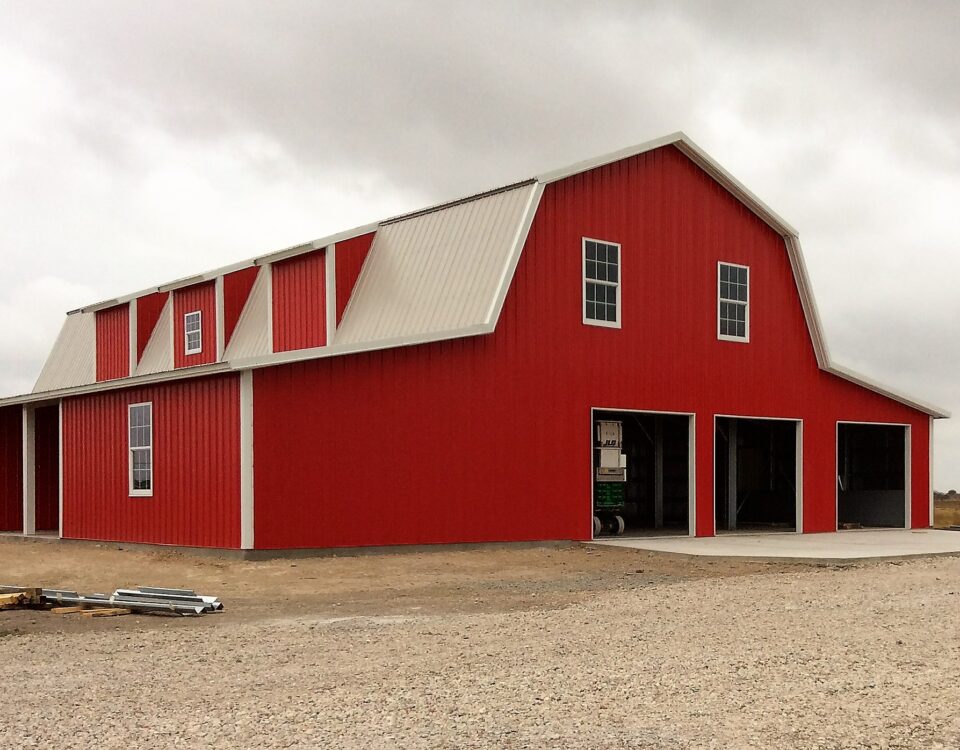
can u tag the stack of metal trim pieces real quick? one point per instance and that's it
(147, 599)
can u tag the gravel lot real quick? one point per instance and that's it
(779, 657)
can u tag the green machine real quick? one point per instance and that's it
(609, 479)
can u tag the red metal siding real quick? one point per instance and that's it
(148, 313)
(113, 342)
(350, 257)
(299, 302)
(11, 468)
(487, 438)
(196, 499)
(47, 476)
(236, 290)
(202, 297)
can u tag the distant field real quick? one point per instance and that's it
(946, 513)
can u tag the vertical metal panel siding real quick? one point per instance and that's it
(350, 257)
(11, 468)
(200, 297)
(236, 290)
(299, 302)
(486, 438)
(113, 342)
(196, 435)
(148, 313)
(47, 468)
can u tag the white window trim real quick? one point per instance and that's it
(130, 449)
(186, 339)
(725, 337)
(583, 283)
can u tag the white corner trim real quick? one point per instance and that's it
(29, 475)
(930, 467)
(268, 280)
(798, 482)
(132, 336)
(246, 460)
(330, 291)
(60, 469)
(220, 327)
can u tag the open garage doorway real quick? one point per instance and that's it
(642, 473)
(757, 474)
(47, 470)
(872, 475)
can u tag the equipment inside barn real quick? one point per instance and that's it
(871, 475)
(641, 473)
(756, 474)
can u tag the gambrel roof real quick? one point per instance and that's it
(439, 273)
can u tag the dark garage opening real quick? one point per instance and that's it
(47, 477)
(871, 476)
(755, 474)
(641, 486)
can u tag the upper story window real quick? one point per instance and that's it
(140, 446)
(192, 334)
(601, 283)
(733, 302)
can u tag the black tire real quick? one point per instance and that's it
(597, 527)
(619, 525)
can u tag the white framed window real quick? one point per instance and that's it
(140, 445)
(733, 302)
(601, 283)
(192, 333)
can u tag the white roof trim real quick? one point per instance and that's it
(679, 140)
(119, 383)
(271, 257)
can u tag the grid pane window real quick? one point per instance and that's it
(193, 335)
(141, 448)
(601, 283)
(733, 301)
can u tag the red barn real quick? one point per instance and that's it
(628, 345)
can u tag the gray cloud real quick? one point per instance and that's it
(142, 143)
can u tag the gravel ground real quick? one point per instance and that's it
(853, 657)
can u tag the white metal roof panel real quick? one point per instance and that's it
(73, 360)
(438, 271)
(251, 337)
(158, 353)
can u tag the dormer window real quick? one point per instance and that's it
(192, 333)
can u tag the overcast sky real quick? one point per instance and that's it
(143, 142)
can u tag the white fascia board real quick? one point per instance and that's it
(862, 380)
(182, 373)
(318, 244)
(697, 155)
(239, 265)
(807, 300)
(519, 241)
(321, 352)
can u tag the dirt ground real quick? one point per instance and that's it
(946, 513)
(434, 582)
(492, 648)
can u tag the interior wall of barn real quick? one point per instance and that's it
(11, 468)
